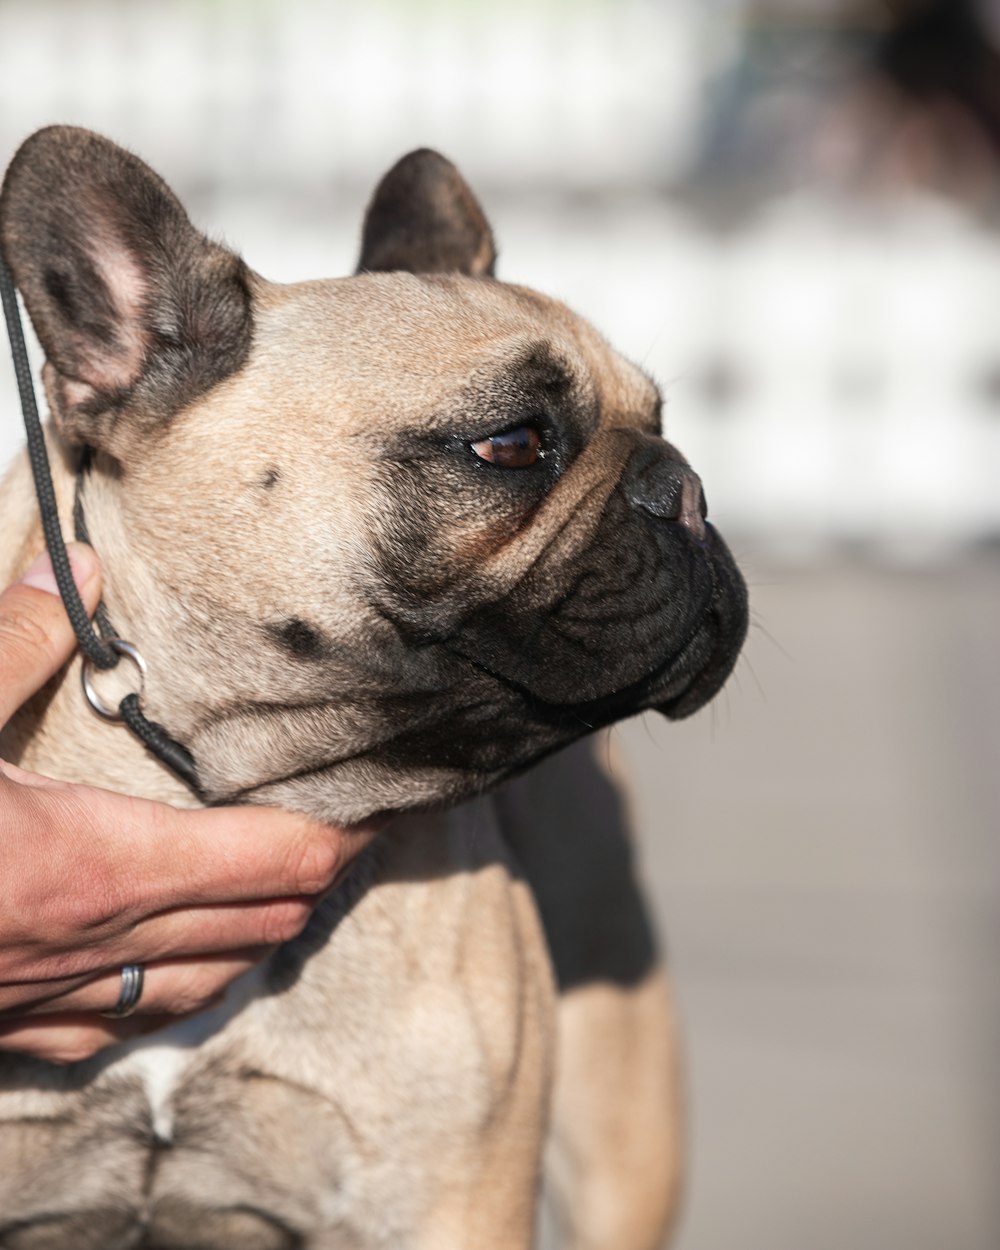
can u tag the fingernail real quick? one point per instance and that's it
(41, 577)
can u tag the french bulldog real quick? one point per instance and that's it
(385, 542)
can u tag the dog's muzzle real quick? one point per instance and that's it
(651, 612)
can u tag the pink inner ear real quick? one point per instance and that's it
(75, 393)
(114, 367)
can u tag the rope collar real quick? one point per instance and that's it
(101, 648)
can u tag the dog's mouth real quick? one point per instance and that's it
(683, 682)
(703, 668)
(703, 626)
(679, 686)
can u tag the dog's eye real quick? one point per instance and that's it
(513, 449)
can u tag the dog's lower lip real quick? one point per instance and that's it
(635, 695)
(727, 633)
(674, 708)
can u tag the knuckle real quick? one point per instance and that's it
(317, 866)
(283, 921)
(92, 909)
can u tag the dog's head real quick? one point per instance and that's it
(383, 540)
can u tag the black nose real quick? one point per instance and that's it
(665, 487)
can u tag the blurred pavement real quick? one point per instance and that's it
(821, 849)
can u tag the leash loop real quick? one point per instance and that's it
(122, 648)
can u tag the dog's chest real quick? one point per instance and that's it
(210, 1133)
(161, 1063)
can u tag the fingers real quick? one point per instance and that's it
(11, 772)
(36, 638)
(153, 857)
(203, 931)
(69, 1029)
(74, 904)
(72, 1038)
(148, 879)
(138, 872)
(229, 855)
(170, 988)
(31, 976)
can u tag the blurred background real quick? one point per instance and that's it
(788, 212)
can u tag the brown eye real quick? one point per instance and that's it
(513, 449)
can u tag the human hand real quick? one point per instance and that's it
(90, 880)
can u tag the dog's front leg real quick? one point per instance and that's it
(487, 1173)
(486, 1183)
(613, 1160)
(613, 1157)
(427, 1022)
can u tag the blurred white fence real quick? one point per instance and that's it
(578, 94)
(834, 377)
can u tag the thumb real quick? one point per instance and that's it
(36, 638)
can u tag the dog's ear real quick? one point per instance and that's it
(137, 312)
(423, 218)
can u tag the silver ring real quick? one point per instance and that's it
(130, 993)
(126, 649)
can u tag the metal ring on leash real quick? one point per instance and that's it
(133, 976)
(126, 649)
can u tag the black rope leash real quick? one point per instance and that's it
(103, 649)
(156, 739)
(91, 645)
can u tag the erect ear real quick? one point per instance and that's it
(423, 218)
(137, 312)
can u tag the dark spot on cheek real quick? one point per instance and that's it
(299, 639)
(270, 477)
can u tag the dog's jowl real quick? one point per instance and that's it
(386, 542)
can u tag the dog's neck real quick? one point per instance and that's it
(56, 733)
